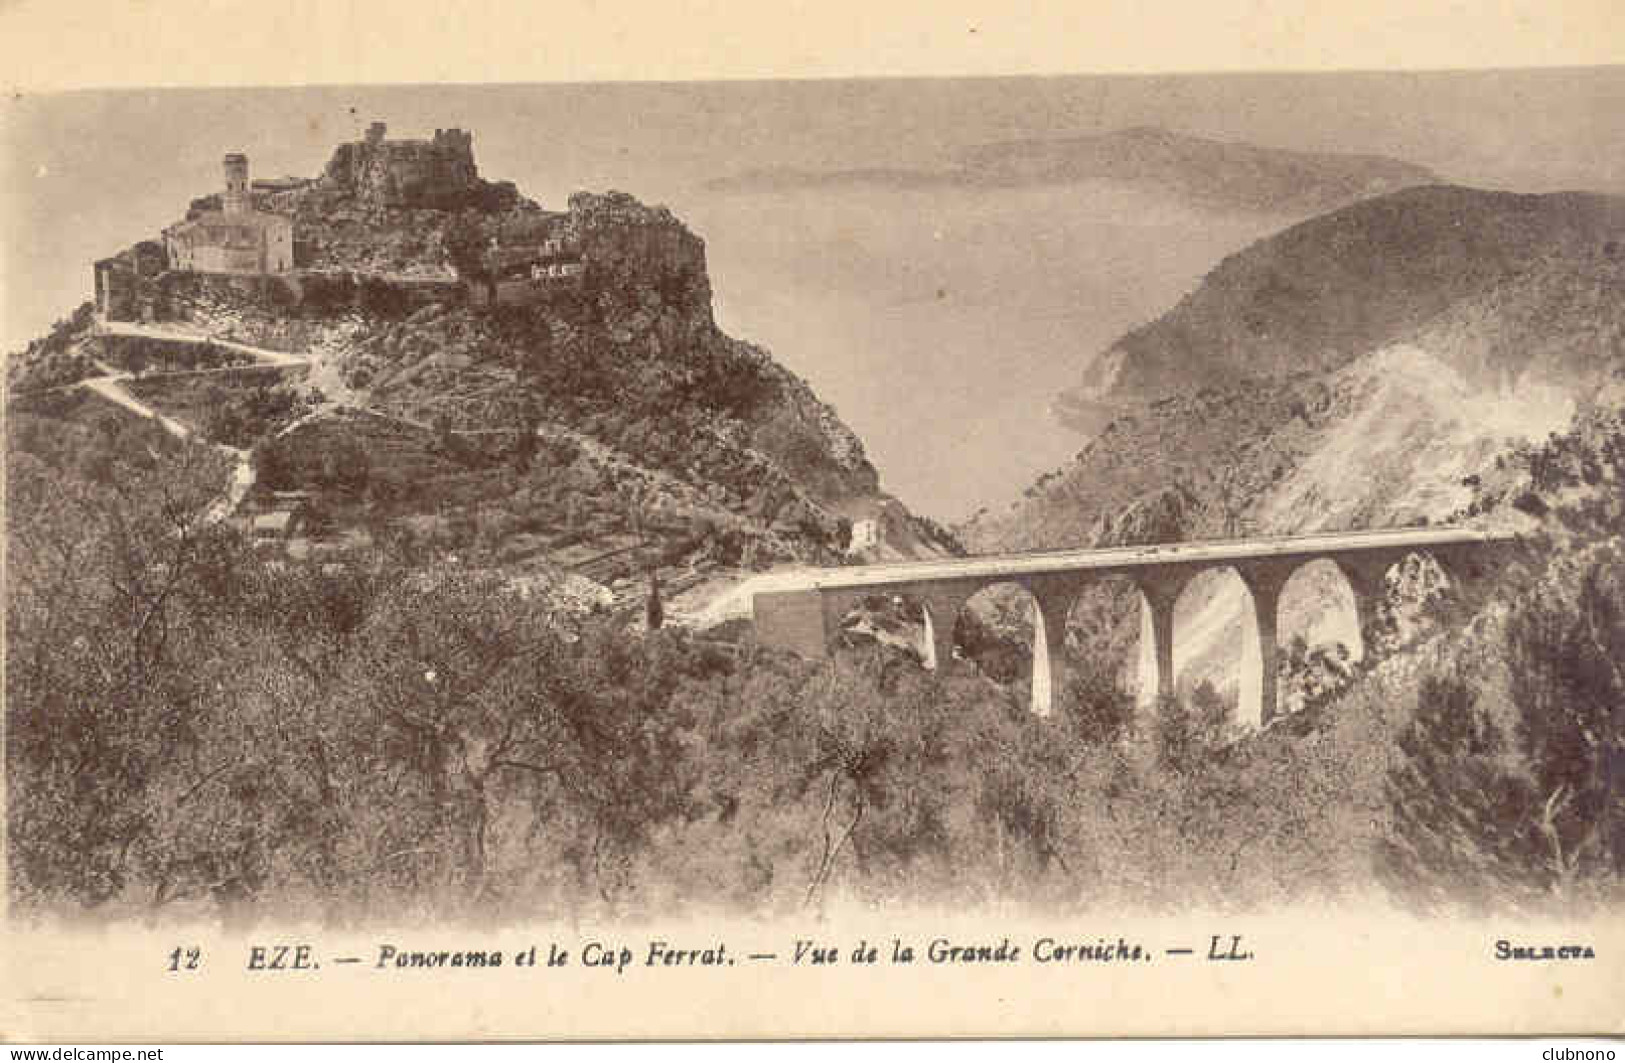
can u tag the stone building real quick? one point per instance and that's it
(567, 270)
(437, 172)
(234, 239)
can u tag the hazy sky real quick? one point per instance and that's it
(54, 44)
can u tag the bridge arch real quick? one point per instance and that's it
(1322, 620)
(1010, 608)
(872, 617)
(1189, 624)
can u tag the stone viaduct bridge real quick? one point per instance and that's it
(806, 619)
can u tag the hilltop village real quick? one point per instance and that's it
(286, 229)
(398, 350)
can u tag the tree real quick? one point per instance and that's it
(1567, 661)
(654, 614)
(316, 517)
(272, 467)
(465, 247)
(1457, 810)
(1484, 817)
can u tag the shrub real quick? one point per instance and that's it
(1485, 818)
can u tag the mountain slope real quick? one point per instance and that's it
(1481, 276)
(1323, 376)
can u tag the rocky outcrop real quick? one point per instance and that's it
(407, 173)
(1163, 516)
(633, 251)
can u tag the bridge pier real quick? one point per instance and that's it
(1052, 604)
(1259, 700)
(1158, 593)
(1367, 578)
(941, 610)
(792, 620)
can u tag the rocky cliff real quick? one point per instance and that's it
(1377, 351)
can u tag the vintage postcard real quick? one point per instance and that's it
(953, 523)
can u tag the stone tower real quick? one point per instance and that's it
(236, 199)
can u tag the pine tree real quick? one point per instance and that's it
(654, 612)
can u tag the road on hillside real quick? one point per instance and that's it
(110, 386)
(263, 355)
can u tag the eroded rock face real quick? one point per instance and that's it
(1162, 516)
(634, 251)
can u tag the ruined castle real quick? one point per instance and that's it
(361, 222)
(439, 172)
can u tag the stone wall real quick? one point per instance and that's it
(126, 283)
(523, 291)
(311, 295)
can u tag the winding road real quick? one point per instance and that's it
(110, 386)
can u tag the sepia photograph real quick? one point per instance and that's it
(1025, 510)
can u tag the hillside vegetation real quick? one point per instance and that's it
(270, 738)
(597, 426)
